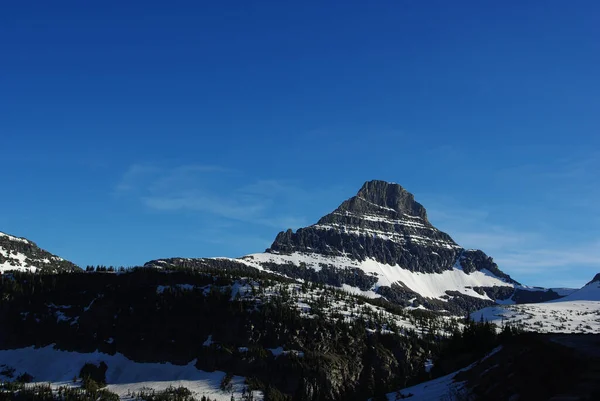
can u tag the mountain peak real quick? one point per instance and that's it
(391, 196)
(382, 222)
(596, 279)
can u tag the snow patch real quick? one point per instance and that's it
(12, 238)
(429, 285)
(123, 375)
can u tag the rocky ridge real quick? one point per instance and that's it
(23, 255)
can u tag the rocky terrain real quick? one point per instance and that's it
(24, 255)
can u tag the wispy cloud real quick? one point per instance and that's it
(145, 176)
(541, 259)
(205, 203)
(544, 256)
(568, 180)
(202, 189)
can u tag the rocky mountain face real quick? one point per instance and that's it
(383, 222)
(24, 255)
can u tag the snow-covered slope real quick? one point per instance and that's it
(23, 255)
(547, 317)
(578, 312)
(123, 375)
(428, 285)
(589, 292)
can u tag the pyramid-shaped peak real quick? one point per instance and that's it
(391, 196)
(596, 279)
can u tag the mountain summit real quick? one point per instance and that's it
(383, 222)
(385, 196)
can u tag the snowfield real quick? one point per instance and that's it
(123, 375)
(589, 292)
(548, 317)
(16, 261)
(428, 285)
(578, 312)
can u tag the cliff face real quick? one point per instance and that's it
(384, 222)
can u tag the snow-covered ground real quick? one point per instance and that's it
(123, 375)
(15, 260)
(578, 312)
(548, 317)
(428, 285)
(589, 292)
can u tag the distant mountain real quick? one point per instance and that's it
(596, 279)
(23, 255)
(381, 243)
(589, 292)
(576, 312)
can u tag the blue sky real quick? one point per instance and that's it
(147, 130)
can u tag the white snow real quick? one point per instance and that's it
(376, 205)
(429, 285)
(358, 291)
(16, 261)
(549, 317)
(589, 292)
(381, 219)
(311, 260)
(123, 375)
(578, 312)
(12, 238)
(432, 285)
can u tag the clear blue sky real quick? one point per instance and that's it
(158, 129)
